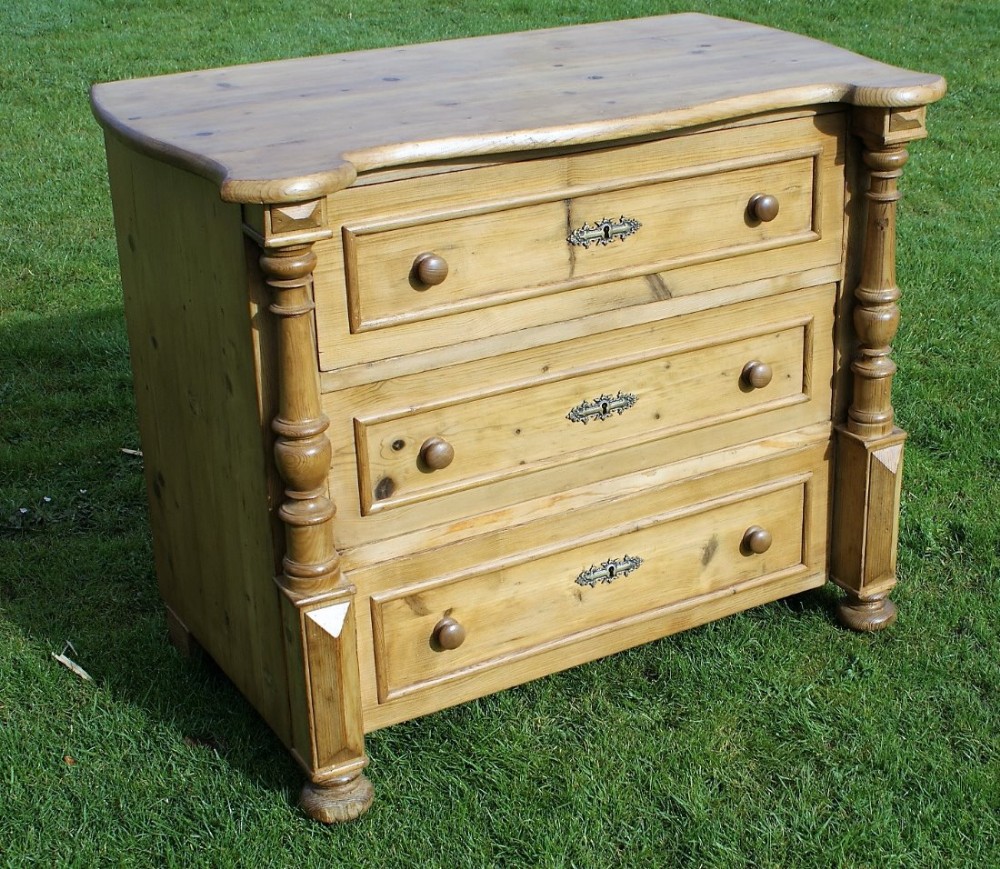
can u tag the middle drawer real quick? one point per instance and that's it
(587, 397)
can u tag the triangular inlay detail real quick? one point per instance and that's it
(330, 618)
(889, 457)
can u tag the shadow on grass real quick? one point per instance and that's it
(76, 562)
(821, 600)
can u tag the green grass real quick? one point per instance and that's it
(773, 738)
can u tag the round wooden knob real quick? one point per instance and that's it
(430, 269)
(437, 453)
(757, 540)
(763, 206)
(757, 374)
(449, 634)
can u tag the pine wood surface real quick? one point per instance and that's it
(700, 409)
(456, 543)
(696, 236)
(204, 441)
(535, 633)
(298, 129)
(669, 230)
(538, 600)
(524, 428)
(372, 492)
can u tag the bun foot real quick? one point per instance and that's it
(337, 801)
(872, 614)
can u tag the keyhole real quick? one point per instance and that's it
(611, 571)
(604, 407)
(607, 231)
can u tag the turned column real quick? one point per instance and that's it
(869, 445)
(317, 603)
(302, 451)
(876, 312)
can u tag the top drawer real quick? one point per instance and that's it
(422, 262)
(406, 270)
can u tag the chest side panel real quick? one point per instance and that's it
(205, 444)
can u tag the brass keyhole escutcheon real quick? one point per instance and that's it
(604, 232)
(609, 571)
(602, 407)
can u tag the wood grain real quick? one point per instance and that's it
(532, 601)
(324, 686)
(876, 314)
(522, 429)
(367, 309)
(519, 554)
(548, 88)
(680, 221)
(869, 480)
(184, 278)
(414, 433)
(701, 406)
(321, 655)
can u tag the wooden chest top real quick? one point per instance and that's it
(297, 129)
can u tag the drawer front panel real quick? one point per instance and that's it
(492, 257)
(515, 423)
(412, 456)
(679, 225)
(534, 601)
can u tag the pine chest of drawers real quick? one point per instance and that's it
(464, 363)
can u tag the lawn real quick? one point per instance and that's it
(773, 738)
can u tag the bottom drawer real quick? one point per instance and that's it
(429, 634)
